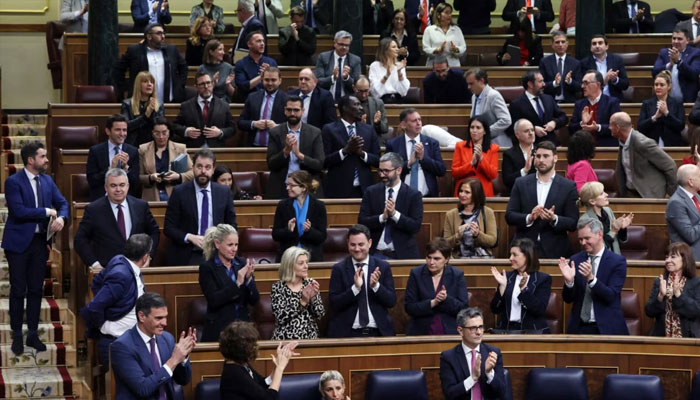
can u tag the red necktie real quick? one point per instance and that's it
(697, 205)
(205, 111)
(425, 20)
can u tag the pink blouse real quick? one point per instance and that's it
(581, 172)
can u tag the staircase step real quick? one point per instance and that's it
(52, 310)
(38, 119)
(50, 287)
(55, 355)
(48, 333)
(38, 382)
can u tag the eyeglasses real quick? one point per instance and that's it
(342, 44)
(584, 83)
(204, 84)
(159, 134)
(386, 170)
(474, 328)
(362, 91)
(159, 33)
(292, 185)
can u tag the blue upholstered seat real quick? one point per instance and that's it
(383, 385)
(632, 387)
(556, 384)
(302, 386)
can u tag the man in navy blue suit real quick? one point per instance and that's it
(393, 212)
(592, 113)
(684, 63)
(113, 153)
(361, 309)
(263, 109)
(319, 106)
(249, 23)
(145, 359)
(609, 65)
(472, 369)
(538, 108)
(143, 15)
(194, 207)
(421, 154)
(561, 72)
(593, 281)
(33, 200)
(351, 148)
(111, 312)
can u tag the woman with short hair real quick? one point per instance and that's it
(332, 386)
(595, 199)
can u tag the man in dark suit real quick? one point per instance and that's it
(205, 119)
(393, 211)
(110, 313)
(249, 69)
(319, 107)
(297, 42)
(631, 16)
(538, 108)
(542, 206)
(337, 70)
(142, 14)
(561, 72)
(194, 207)
(361, 309)
(245, 13)
(519, 160)
(32, 199)
(684, 63)
(609, 65)
(421, 155)
(472, 369)
(592, 113)
(692, 25)
(110, 220)
(145, 359)
(539, 14)
(445, 85)
(593, 280)
(263, 109)
(293, 146)
(374, 111)
(170, 82)
(351, 149)
(113, 153)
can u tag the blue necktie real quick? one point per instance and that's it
(362, 301)
(116, 152)
(339, 81)
(351, 133)
(414, 167)
(204, 218)
(387, 226)
(540, 111)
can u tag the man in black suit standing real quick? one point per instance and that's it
(351, 149)
(113, 153)
(297, 42)
(263, 109)
(561, 72)
(293, 146)
(319, 107)
(361, 309)
(539, 14)
(631, 16)
(205, 119)
(609, 65)
(164, 62)
(109, 221)
(194, 207)
(421, 154)
(542, 206)
(393, 211)
(538, 108)
(519, 160)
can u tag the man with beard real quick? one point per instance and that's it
(35, 206)
(163, 61)
(683, 61)
(536, 215)
(319, 107)
(538, 108)
(611, 67)
(592, 113)
(519, 160)
(393, 212)
(263, 109)
(194, 207)
(249, 69)
(445, 85)
(293, 146)
(351, 149)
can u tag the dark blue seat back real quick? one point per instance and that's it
(695, 392)
(207, 389)
(383, 385)
(509, 388)
(301, 386)
(632, 387)
(556, 384)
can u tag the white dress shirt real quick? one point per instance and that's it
(470, 382)
(397, 215)
(156, 66)
(515, 305)
(365, 281)
(118, 327)
(32, 182)
(422, 186)
(393, 85)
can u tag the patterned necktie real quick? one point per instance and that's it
(116, 152)
(120, 221)
(351, 133)
(540, 111)
(204, 218)
(362, 301)
(414, 167)
(587, 306)
(262, 135)
(339, 81)
(156, 367)
(633, 12)
(476, 389)
(387, 226)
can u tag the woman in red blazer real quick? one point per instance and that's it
(476, 157)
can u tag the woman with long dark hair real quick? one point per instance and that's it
(476, 156)
(471, 229)
(400, 30)
(530, 46)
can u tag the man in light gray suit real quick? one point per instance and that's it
(683, 209)
(337, 70)
(643, 168)
(375, 113)
(267, 12)
(487, 102)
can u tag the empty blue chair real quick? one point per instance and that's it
(301, 386)
(384, 385)
(632, 387)
(207, 389)
(556, 384)
(509, 388)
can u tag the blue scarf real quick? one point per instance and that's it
(301, 215)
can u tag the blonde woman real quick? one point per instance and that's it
(443, 37)
(387, 75)
(207, 9)
(141, 109)
(296, 298)
(662, 116)
(593, 197)
(200, 34)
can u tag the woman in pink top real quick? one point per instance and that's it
(579, 153)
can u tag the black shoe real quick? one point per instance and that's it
(17, 346)
(35, 342)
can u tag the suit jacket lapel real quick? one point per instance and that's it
(192, 199)
(107, 210)
(132, 213)
(142, 349)
(149, 161)
(215, 211)
(552, 195)
(342, 132)
(462, 360)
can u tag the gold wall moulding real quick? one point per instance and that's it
(41, 11)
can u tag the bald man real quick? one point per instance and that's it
(683, 209)
(319, 106)
(643, 168)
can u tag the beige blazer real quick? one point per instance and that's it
(487, 238)
(147, 161)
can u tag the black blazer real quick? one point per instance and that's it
(510, 13)
(135, 61)
(343, 301)
(615, 63)
(410, 41)
(522, 107)
(237, 384)
(409, 202)
(226, 301)
(321, 107)
(312, 240)
(513, 162)
(669, 127)
(253, 25)
(139, 127)
(533, 301)
(621, 22)
(98, 237)
(252, 108)
(181, 217)
(310, 144)
(454, 370)
(191, 116)
(339, 177)
(687, 306)
(548, 69)
(535, 50)
(419, 293)
(432, 163)
(297, 52)
(98, 164)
